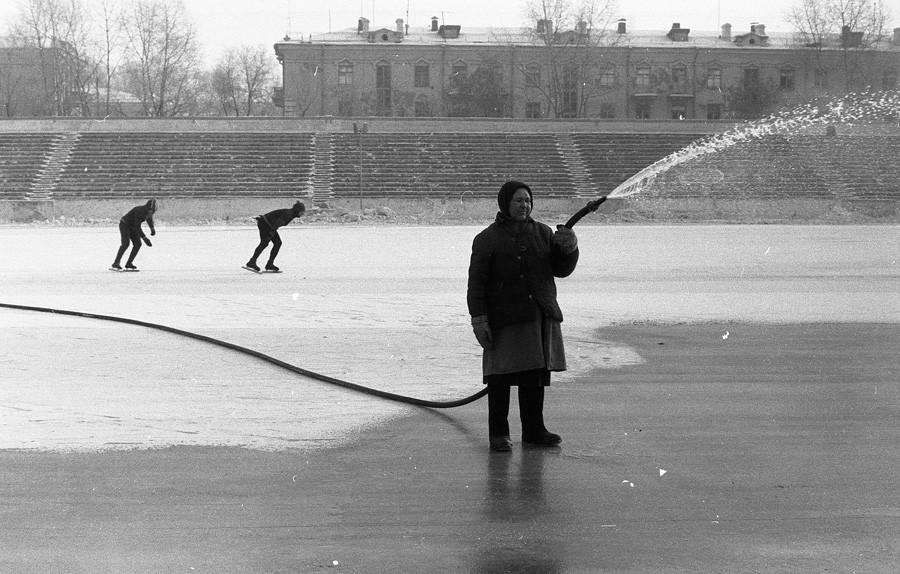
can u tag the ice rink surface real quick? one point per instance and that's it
(381, 306)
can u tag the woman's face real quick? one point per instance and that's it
(520, 205)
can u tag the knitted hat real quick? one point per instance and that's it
(507, 190)
(299, 208)
(152, 205)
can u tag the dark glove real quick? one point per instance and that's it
(482, 330)
(152, 232)
(565, 239)
(147, 241)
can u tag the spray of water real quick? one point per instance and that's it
(855, 108)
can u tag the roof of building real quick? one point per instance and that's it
(525, 37)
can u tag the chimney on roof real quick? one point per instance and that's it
(677, 33)
(434, 23)
(761, 29)
(362, 27)
(582, 27)
(621, 27)
(399, 22)
(726, 32)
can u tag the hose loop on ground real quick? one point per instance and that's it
(261, 356)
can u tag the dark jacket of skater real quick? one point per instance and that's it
(268, 225)
(515, 315)
(130, 231)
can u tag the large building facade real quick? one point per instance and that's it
(441, 71)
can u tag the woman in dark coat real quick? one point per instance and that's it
(516, 318)
(268, 225)
(130, 231)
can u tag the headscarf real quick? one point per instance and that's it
(507, 190)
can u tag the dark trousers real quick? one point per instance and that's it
(266, 235)
(128, 235)
(531, 410)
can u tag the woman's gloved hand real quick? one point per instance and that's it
(482, 330)
(565, 239)
(147, 241)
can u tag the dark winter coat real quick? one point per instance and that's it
(281, 217)
(511, 273)
(135, 217)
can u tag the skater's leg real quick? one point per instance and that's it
(276, 247)
(264, 234)
(125, 239)
(135, 247)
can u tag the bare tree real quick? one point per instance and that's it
(570, 34)
(60, 32)
(163, 56)
(852, 26)
(110, 53)
(225, 85)
(241, 79)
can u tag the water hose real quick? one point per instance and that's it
(262, 356)
(589, 208)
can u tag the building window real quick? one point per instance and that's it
(607, 110)
(642, 77)
(345, 73)
(679, 79)
(422, 76)
(679, 111)
(787, 79)
(383, 90)
(533, 110)
(570, 103)
(532, 76)
(422, 109)
(820, 79)
(345, 107)
(714, 79)
(607, 78)
(714, 111)
(642, 110)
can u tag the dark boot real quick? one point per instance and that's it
(498, 418)
(531, 413)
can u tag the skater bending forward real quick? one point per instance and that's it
(130, 232)
(268, 225)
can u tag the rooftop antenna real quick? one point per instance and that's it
(289, 26)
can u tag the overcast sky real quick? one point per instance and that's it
(228, 23)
